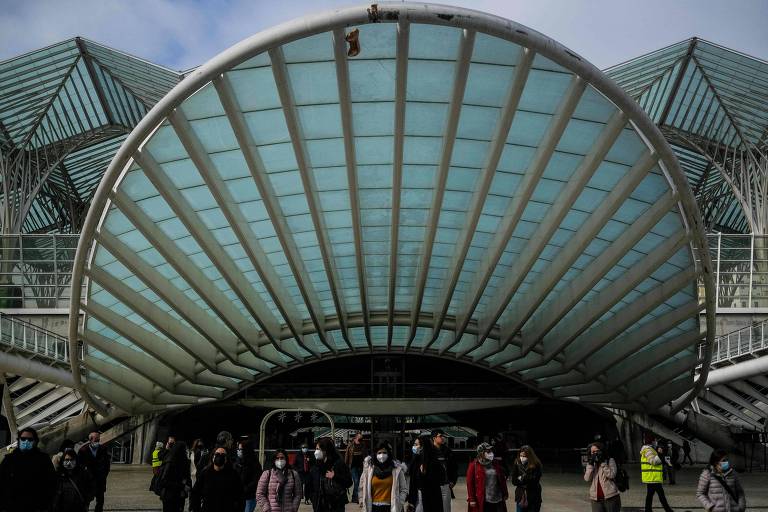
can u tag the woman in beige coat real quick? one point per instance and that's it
(601, 473)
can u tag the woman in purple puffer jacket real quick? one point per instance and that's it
(279, 488)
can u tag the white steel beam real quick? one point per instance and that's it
(33, 392)
(271, 204)
(525, 305)
(498, 143)
(658, 376)
(245, 235)
(345, 105)
(725, 392)
(520, 200)
(547, 227)
(617, 352)
(285, 91)
(558, 341)
(214, 358)
(8, 412)
(147, 366)
(590, 312)
(728, 407)
(401, 82)
(205, 239)
(175, 357)
(53, 409)
(178, 300)
(51, 396)
(460, 75)
(544, 321)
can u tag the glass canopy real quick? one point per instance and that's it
(462, 188)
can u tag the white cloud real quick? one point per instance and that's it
(185, 33)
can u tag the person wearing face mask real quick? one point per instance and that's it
(383, 486)
(304, 467)
(335, 477)
(601, 474)
(93, 456)
(719, 488)
(279, 487)
(652, 473)
(425, 472)
(526, 476)
(74, 485)
(450, 472)
(486, 482)
(27, 477)
(249, 470)
(174, 481)
(218, 487)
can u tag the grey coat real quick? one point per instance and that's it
(715, 498)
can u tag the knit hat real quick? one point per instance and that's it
(484, 447)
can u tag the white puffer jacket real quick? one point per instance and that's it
(713, 495)
(399, 487)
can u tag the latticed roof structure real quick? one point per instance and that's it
(64, 111)
(462, 187)
(712, 105)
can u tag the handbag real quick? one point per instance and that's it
(523, 499)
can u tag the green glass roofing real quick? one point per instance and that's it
(707, 98)
(64, 110)
(460, 189)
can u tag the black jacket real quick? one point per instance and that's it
(526, 478)
(98, 466)
(448, 462)
(425, 477)
(27, 481)
(173, 478)
(217, 491)
(328, 497)
(249, 471)
(74, 490)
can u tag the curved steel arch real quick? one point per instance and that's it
(217, 353)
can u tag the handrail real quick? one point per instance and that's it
(748, 340)
(26, 336)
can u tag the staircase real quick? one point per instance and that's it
(20, 336)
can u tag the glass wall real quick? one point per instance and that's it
(741, 270)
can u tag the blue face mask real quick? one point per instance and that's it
(725, 465)
(416, 450)
(25, 445)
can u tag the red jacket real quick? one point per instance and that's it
(476, 485)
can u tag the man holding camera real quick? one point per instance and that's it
(601, 472)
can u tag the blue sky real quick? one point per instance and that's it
(185, 33)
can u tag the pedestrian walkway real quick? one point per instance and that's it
(563, 492)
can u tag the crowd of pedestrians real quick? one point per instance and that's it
(229, 477)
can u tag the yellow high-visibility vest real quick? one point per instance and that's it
(650, 473)
(156, 462)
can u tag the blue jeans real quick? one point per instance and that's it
(355, 483)
(250, 505)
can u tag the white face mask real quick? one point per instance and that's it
(382, 457)
(280, 463)
(416, 449)
(319, 454)
(489, 455)
(523, 459)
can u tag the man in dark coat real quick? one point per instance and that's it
(27, 477)
(94, 457)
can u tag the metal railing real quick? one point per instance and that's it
(747, 341)
(36, 270)
(21, 335)
(741, 271)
